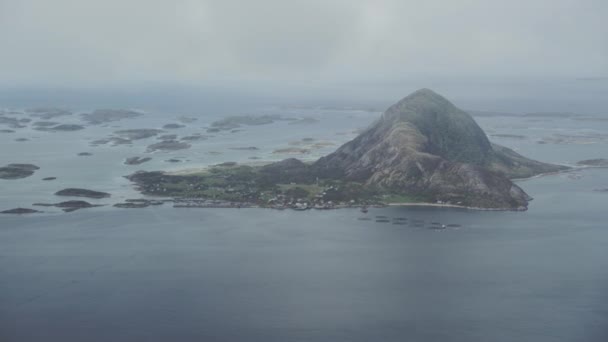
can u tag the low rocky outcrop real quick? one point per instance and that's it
(69, 206)
(168, 145)
(60, 128)
(10, 122)
(173, 126)
(136, 160)
(48, 113)
(167, 137)
(45, 123)
(20, 211)
(16, 171)
(137, 203)
(304, 121)
(101, 116)
(248, 148)
(194, 138)
(137, 134)
(599, 162)
(186, 120)
(233, 122)
(76, 192)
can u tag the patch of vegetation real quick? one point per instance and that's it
(286, 186)
(402, 198)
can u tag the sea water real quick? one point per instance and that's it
(169, 274)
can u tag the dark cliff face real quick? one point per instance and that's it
(425, 145)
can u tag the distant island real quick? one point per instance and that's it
(422, 150)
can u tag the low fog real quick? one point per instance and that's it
(492, 55)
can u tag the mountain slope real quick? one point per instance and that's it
(424, 145)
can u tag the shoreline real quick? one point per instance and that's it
(199, 204)
(425, 204)
(237, 205)
(572, 168)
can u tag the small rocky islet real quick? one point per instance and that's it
(598, 162)
(60, 128)
(48, 113)
(168, 145)
(77, 192)
(137, 134)
(232, 122)
(17, 171)
(136, 160)
(173, 126)
(20, 211)
(138, 203)
(69, 206)
(103, 116)
(404, 221)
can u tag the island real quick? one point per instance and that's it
(423, 150)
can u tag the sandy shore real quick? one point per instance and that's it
(424, 204)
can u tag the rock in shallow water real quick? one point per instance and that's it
(20, 211)
(16, 171)
(168, 145)
(136, 160)
(69, 206)
(75, 192)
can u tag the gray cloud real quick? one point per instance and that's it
(82, 42)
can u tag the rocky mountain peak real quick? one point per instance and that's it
(424, 144)
(452, 133)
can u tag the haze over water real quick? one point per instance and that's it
(533, 73)
(265, 275)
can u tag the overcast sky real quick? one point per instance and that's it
(109, 42)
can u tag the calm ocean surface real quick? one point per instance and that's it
(165, 274)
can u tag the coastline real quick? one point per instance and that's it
(571, 168)
(200, 203)
(426, 204)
